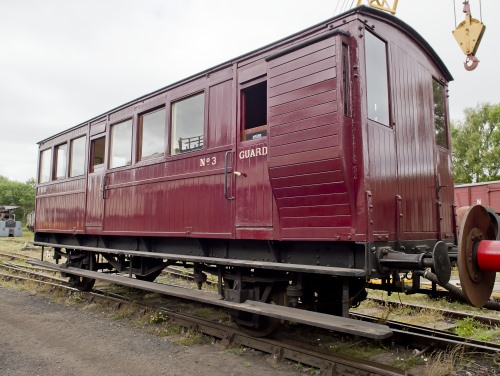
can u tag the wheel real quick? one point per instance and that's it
(268, 292)
(85, 261)
(259, 325)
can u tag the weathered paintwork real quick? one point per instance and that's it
(486, 194)
(318, 174)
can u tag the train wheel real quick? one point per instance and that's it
(253, 324)
(86, 261)
(259, 325)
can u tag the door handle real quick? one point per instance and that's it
(227, 167)
(103, 187)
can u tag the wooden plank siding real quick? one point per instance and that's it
(412, 101)
(304, 138)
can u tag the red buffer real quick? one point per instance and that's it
(488, 255)
(478, 254)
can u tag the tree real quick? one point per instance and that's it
(14, 193)
(476, 145)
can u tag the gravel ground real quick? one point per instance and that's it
(42, 338)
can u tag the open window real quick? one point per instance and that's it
(254, 111)
(97, 153)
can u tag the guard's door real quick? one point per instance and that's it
(253, 194)
(96, 183)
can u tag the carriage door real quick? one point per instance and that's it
(96, 185)
(253, 194)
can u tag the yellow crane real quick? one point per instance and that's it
(468, 34)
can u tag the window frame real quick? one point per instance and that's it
(171, 129)
(346, 83)
(388, 80)
(110, 143)
(56, 160)
(40, 166)
(444, 115)
(242, 107)
(139, 137)
(71, 148)
(101, 166)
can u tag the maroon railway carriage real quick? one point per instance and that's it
(295, 173)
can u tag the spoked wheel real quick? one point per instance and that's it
(260, 325)
(86, 261)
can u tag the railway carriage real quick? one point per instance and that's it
(295, 173)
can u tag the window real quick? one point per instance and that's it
(346, 80)
(77, 157)
(188, 119)
(254, 111)
(60, 161)
(376, 79)
(44, 174)
(121, 144)
(97, 153)
(440, 114)
(152, 134)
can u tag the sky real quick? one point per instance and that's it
(63, 62)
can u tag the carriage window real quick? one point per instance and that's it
(188, 119)
(121, 144)
(44, 174)
(152, 134)
(346, 80)
(376, 79)
(77, 157)
(254, 111)
(440, 114)
(60, 158)
(97, 152)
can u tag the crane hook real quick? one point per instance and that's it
(471, 62)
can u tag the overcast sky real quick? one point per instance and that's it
(63, 62)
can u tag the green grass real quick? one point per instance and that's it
(470, 328)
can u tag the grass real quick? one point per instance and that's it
(362, 349)
(407, 362)
(470, 328)
(194, 338)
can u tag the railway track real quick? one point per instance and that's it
(425, 339)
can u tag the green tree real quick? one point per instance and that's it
(476, 145)
(14, 193)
